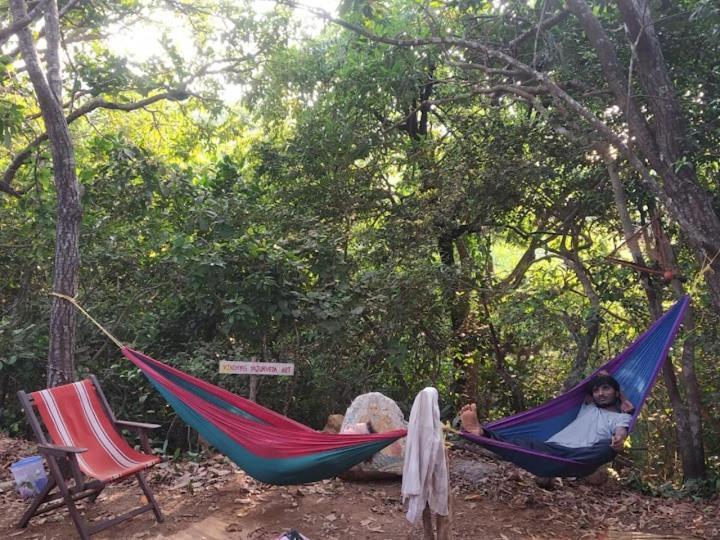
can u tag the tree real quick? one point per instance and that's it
(520, 69)
(48, 89)
(504, 73)
(96, 75)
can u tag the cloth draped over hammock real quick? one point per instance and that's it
(636, 369)
(268, 446)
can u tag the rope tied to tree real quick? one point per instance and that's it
(102, 329)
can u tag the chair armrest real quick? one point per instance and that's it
(141, 429)
(54, 451)
(135, 425)
(59, 451)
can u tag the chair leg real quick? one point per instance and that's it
(150, 497)
(74, 514)
(94, 496)
(68, 498)
(36, 502)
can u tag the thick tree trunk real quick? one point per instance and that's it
(671, 137)
(694, 454)
(689, 204)
(61, 367)
(688, 453)
(691, 445)
(688, 423)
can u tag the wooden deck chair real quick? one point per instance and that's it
(83, 440)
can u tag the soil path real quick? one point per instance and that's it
(492, 500)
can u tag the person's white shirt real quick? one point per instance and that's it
(592, 425)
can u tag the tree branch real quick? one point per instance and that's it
(544, 25)
(67, 7)
(31, 17)
(52, 54)
(513, 280)
(22, 156)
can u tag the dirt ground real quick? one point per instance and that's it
(213, 499)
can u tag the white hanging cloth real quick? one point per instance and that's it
(425, 471)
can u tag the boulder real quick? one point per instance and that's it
(333, 424)
(382, 414)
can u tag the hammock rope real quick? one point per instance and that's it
(70, 299)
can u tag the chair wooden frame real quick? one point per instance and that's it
(63, 465)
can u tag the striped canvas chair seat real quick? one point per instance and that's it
(74, 416)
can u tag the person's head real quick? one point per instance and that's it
(605, 390)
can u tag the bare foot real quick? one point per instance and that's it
(469, 420)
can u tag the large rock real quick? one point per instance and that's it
(383, 414)
(333, 424)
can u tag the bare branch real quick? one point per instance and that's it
(4, 188)
(544, 25)
(513, 280)
(487, 69)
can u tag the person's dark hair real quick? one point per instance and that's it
(598, 380)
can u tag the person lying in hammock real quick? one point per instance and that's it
(600, 427)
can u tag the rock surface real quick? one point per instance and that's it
(384, 415)
(333, 424)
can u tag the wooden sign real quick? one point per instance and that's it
(256, 368)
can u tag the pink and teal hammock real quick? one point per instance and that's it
(277, 450)
(268, 446)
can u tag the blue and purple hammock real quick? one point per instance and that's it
(277, 450)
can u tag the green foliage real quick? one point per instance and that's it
(311, 222)
(696, 489)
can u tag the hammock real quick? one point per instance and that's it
(636, 369)
(268, 446)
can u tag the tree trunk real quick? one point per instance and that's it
(689, 204)
(671, 137)
(688, 423)
(691, 445)
(629, 233)
(61, 357)
(4, 385)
